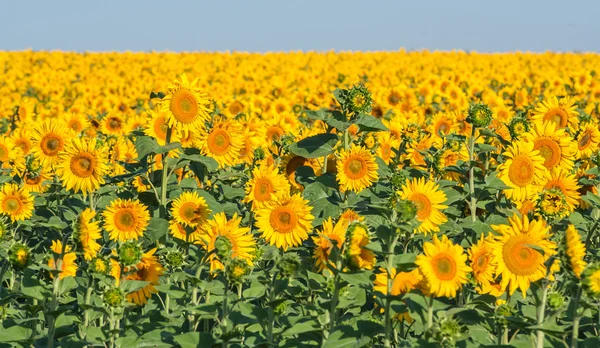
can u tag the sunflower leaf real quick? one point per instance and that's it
(316, 146)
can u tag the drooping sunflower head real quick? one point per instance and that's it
(428, 199)
(188, 106)
(356, 169)
(359, 257)
(126, 219)
(15, 202)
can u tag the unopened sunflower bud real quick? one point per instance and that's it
(556, 300)
(223, 247)
(359, 99)
(479, 115)
(130, 253)
(99, 265)
(19, 255)
(289, 264)
(236, 270)
(114, 297)
(448, 332)
(518, 125)
(398, 180)
(175, 258)
(406, 210)
(259, 154)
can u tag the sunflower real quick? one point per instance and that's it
(554, 145)
(49, 140)
(88, 232)
(291, 163)
(22, 139)
(265, 185)
(26, 110)
(516, 252)
(157, 127)
(68, 267)
(190, 209)
(241, 242)
(481, 258)
(112, 124)
(81, 166)
(444, 265)
(356, 169)
(402, 282)
(523, 171)
(575, 250)
(147, 270)
(286, 221)
(563, 113)
(16, 202)
(186, 105)
(358, 255)
(330, 234)
(76, 123)
(185, 232)
(8, 151)
(125, 219)
(592, 281)
(387, 145)
(429, 199)
(349, 216)
(567, 184)
(223, 142)
(587, 139)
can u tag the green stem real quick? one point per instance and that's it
(541, 315)
(576, 318)
(88, 296)
(472, 175)
(164, 178)
(53, 304)
(225, 314)
(271, 313)
(430, 313)
(388, 301)
(167, 298)
(324, 169)
(335, 298)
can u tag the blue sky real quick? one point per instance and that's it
(259, 26)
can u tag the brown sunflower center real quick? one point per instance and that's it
(83, 164)
(184, 106)
(558, 116)
(519, 257)
(188, 212)
(75, 125)
(219, 142)
(114, 124)
(444, 266)
(125, 220)
(584, 141)
(550, 150)
(263, 189)
(355, 168)
(51, 144)
(481, 262)
(283, 219)
(521, 170)
(442, 128)
(423, 205)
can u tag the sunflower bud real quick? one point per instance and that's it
(447, 332)
(236, 270)
(19, 255)
(223, 247)
(114, 297)
(591, 280)
(518, 125)
(3, 312)
(556, 300)
(175, 259)
(358, 99)
(130, 253)
(503, 311)
(552, 204)
(289, 264)
(99, 265)
(479, 115)
(398, 180)
(406, 210)
(259, 154)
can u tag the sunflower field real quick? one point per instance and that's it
(385, 199)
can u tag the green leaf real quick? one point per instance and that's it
(316, 146)
(299, 328)
(56, 223)
(215, 207)
(14, 333)
(145, 145)
(171, 290)
(358, 278)
(194, 339)
(317, 114)
(129, 286)
(368, 123)
(32, 287)
(157, 228)
(167, 148)
(207, 162)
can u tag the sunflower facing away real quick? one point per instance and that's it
(49, 140)
(82, 166)
(563, 113)
(481, 258)
(554, 145)
(266, 184)
(359, 256)
(429, 199)
(15, 202)
(190, 209)
(223, 142)
(286, 221)
(329, 236)
(444, 266)
(575, 250)
(516, 252)
(68, 267)
(88, 232)
(126, 219)
(241, 241)
(187, 105)
(356, 169)
(523, 171)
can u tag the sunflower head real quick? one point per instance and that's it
(591, 280)
(114, 297)
(552, 204)
(480, 115)
(518, 125)
(19, 255)
(130, 253)
(289, 264)
(237, 269)
(99, 265)
(358, 256)
(358, 99)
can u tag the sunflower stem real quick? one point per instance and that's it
(225, 314)
(388, 300)
(576, 318)
(167, 298)
(165, 177)
(472, 175)
(430, 313)
(324, 169)
(53, 304)
(88, 296)
(541, 314)
(271, 313)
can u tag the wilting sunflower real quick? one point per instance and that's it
(223, 142)
(567, 184)
(481, 258)
(126, 219)
(358, 255)
(554, 145)
(356, 169)
(190, 209)
(88, 233)
(240, 241)
(49, 140)
(82, 166)
(429, 199)
(148, 270)
(265, 185)
(516, 252)
(444, 264)
(523, 171)
(330, 234)
(575, 250)
(286, 221)
(68, 267)
(15, 202)
(187, 105)
(563, 113)
(587, 139)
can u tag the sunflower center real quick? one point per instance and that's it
(283, 219)
(33, 180)
(263, 190)
(160, 127)
(442, 128)
(444, 266)
(558, 116)
(219, 142)
(423, 205)
(520, 171)
(3, 153)
(394, 99)
(184, 106)
(12, 205)
(83, 164)
(75, 125)
(51, 145)
(355, 168)
(188, 211)
(584, 141)
(550, 150)
(125, 220)
(519, 258)
(481, 263)
(114, 123)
